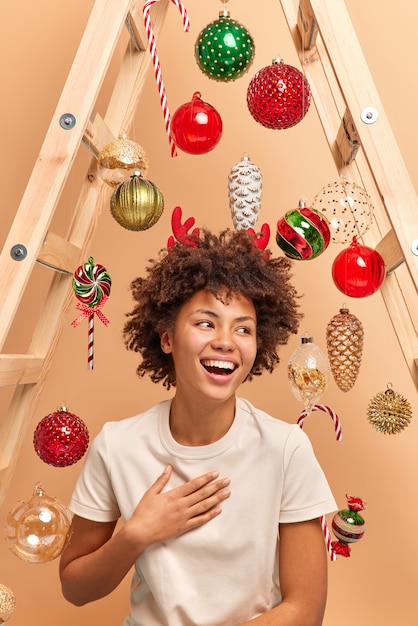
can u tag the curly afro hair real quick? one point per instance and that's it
(229, 264)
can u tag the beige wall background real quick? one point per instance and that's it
(377, 584)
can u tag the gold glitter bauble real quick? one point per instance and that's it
(389, 412)
(7, 603)
(344, 334)
(137, 204)
(120, 159)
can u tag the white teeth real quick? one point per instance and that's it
(226, 365)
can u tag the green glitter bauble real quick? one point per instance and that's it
(224, 49)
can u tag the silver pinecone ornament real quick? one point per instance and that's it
(245, 189)
(345, 334)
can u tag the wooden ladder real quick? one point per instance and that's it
(75, 121)
(367, 152)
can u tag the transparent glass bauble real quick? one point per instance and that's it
(38, 531)
(308, 372)
(347, 207)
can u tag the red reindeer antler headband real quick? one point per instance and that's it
(182, 235)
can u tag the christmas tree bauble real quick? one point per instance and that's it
(120, 159)
(38, 531)
(344, 335)
(196, 126)
(278, 96)
(245, 184)
(348, 526)
(347, 207)
(358, 271)
(224, 49)
(137, 204)
(7, 603)
(61, 438)
(308, 373)
(302, 233)
(389, 412)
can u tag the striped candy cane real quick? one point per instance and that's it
(338, 436)
(90, 342)
(156, 62)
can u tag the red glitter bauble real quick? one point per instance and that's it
(278, 96)
(61, 438)
(358, 271)
(196, 126)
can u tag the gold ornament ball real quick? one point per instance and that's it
(137, 204)
(389, 412)
(7, 603)
(38, 531)
(119, 159)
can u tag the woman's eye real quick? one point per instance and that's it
(205, 324)
(244, 330)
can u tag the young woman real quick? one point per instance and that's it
(220, 501)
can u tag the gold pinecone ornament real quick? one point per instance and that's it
(344, 335)
(389, 412)
(245, 183)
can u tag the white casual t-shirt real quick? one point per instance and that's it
(226, 571)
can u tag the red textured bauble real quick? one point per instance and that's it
(196, 126)
(61, 438)
(358, 271)
(278, 96)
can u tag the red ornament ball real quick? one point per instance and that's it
(302, 233)
(61, 438)
(278, 96)
(358, 271)
(196, 126)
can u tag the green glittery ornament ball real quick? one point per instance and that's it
(224, 49)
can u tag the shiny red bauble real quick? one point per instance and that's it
(278, 96)
(196, 126)
(358, 271)
(61, 438)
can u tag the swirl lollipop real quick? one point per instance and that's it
(91, 285)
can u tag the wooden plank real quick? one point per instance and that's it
(59, 254)
(19, 369)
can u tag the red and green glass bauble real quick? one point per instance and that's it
(302, 233)
(224, 49)
(278, 96)
(358, 271)
(196, 126)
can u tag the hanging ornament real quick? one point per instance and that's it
(245, 183)
(344, 335)
(389, 412)
(308, 373)
(224, 49)
(278, 96)
(38, 531)
(91, 285)
(61, 438)
(347, 207)
(120, 159)
(358, 271)
(348, 526)
(7, 603)
(196, 126)
(302, 233)
(137, 204)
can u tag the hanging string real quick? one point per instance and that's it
(156, 62)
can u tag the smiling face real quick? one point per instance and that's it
(213, 346)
